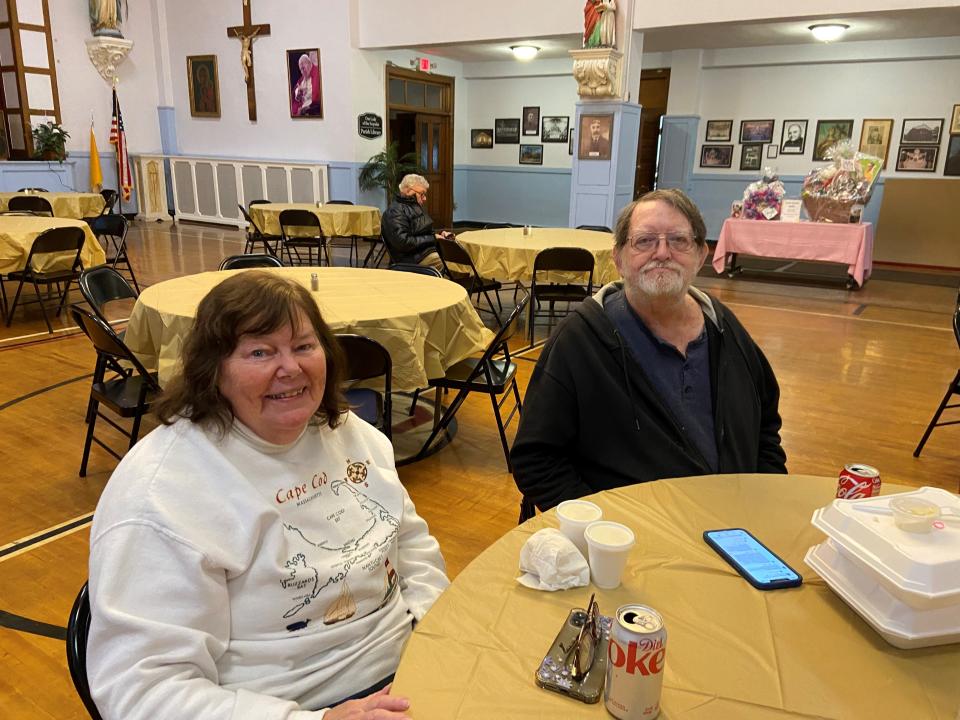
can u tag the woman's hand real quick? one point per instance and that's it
(378, 706)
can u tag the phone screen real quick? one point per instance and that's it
(755, 560)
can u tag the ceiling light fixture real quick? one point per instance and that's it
(524, 52)
(828, 32)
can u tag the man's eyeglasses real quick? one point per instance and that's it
(421, 194)
(583, 651)
(645, 242)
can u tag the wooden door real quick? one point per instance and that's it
(433, 154)
(654, 88)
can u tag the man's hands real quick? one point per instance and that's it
(378, 706)
(446, 234)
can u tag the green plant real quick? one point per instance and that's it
(50, 141)
(386, 169)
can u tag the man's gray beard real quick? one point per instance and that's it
(670, 285)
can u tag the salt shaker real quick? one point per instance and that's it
(314, 282)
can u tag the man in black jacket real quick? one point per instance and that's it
(407, 229)
(650, 378)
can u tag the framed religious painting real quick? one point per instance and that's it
(531, 120)
(531, 154)
(716, 156)
(555, 128)
(506, 131)
(596, 132)
(917, 158)
(756, 131)
(203, 86)
(482, 138)
(304, 87)
(793, 137)
(921, 132)
(875, 138)
(718, 130)
(829, 133)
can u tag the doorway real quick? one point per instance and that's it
(654, 89)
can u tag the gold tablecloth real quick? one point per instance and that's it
(335, 220)
(732, 651)
(17, 233)
(508, 254)
(426, 324)
(65, 204)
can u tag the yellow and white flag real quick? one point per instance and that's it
(96, 175)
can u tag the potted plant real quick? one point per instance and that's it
(386, 169)
(50, 141)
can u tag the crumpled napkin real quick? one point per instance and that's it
(549, 561)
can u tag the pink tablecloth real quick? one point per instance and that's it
(850, 244)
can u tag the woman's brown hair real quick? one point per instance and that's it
(251, 302)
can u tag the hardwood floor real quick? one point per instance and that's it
(860, 374)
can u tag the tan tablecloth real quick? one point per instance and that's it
(732, 651)
(65, 204)
(507, 254)
(426, 324)
(335, 220)
(17, 233)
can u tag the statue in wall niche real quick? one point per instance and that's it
(599, 23)
(105, 17)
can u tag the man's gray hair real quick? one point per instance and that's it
(412, 181)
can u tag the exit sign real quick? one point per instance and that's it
(425, 64)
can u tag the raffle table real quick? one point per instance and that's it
(335, 220)
(732, 651)
(849, 244)
(65, 204)
(17, 233)
(426, 324)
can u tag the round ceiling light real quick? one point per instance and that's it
(828, 32)
(524, 52)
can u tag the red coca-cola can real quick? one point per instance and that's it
(858, 481)
(636, 656)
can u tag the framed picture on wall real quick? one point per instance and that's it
(875, 138)
(751, 156)
(303, 80)
(203, 85)
(716, 156)
(756, 131)
(917, 158)
(506, 131)
(531, 120)
(570, 142)
(482, 138)
(793, 137)
(595, 134)
(925, 131)
(951, 166)
(772, 151)
(531, 154)
(829, 133)
(718, 131)
(955, 121)
(555, 128)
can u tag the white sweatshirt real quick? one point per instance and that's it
(232, 578)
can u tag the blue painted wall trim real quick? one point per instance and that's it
(520, 195)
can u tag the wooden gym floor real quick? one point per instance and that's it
(860, 373)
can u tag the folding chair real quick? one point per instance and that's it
(110, 198)
(102, 285)
(55, 240)
(952, 389)
(242, 262)
(30, 203)
(451, 251)
(126, 396)
(560, 259)
(367, 359)
(29, 190)
(596, 228)
(497, 226)
(303, 219)
(487, 374)
(418, 269)
(351, 240)
(255, 235)
(78, 629)
(112, 231)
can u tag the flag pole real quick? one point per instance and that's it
(116, 147)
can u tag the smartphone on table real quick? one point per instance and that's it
(759, 565)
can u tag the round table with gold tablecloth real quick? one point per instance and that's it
(65, 204)
(17, 233)
(732, 651)
(335, 220)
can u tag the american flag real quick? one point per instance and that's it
(119, 138)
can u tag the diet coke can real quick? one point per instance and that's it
(858, 481)
(636, 655)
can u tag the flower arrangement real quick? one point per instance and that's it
(50, 141)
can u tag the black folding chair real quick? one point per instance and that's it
(110, 198)
(351, 241)
(127, 396)
(112, 230)
(418, 269)
(451, 251)
(256, 236)
(242, 262)
(596, 228)
(952, 389)
(78, 629)
(368, 359)
(30, 203)
(36, 190)
(493, 373)
(560, 259)
(497, 226)
(102, 285)
(63, 270)
(301, 220)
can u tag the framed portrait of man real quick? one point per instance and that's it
(793, 137)
(596, 133)
(555, 128)
(829, 133)
(203, 86)
(305, 89)
(875, 138)
(531, 120)
(506, 131)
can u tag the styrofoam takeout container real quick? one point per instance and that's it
(920, 569)
(899, 624)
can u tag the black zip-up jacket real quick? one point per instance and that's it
(407, 230)
(592, 420)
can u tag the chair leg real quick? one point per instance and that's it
(413, 405)
(63, 298)
(43, 308)
(89, 440)
(936, 416)
(445, 420)
(13, 306)
(503, 431)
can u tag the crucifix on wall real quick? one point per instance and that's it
(245, 34)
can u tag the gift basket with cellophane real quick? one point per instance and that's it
(762, 198)
(837, 192)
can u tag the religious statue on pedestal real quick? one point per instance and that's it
(105, 17)
(599, 23)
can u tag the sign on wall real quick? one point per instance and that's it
(369, 125)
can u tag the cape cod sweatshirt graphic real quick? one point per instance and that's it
(363, 551)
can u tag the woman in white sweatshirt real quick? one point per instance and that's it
(256, 556)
